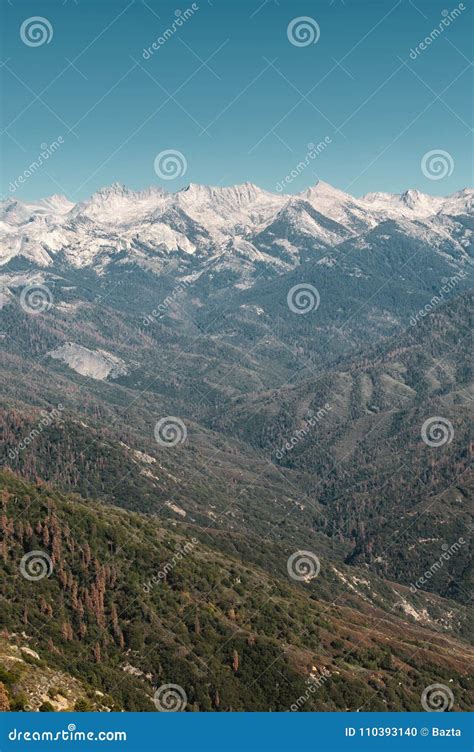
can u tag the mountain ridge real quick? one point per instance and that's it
(199, 219)
(301, 432)
(131, 604)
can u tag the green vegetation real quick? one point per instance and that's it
(105, 616)
(121, 613)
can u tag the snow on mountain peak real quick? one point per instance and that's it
(461, 202)
(117, 204)
(240, 194)
(16, 212)
(411, 203)
(228, 210)
(339, 206)
(57, 204)
(153, 223)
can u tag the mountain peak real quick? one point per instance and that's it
(411, 203)
(115, 189)
(201, 217)
(247, 188)
(411, 197)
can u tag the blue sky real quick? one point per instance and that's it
(230, 92)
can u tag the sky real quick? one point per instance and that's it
(236, 90)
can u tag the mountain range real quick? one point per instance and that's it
(311, 354)
(154, 228)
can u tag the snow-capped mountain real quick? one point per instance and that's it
(153, 227)
(413, 204)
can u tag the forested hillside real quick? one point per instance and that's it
(126, 605)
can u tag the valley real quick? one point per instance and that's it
(311, 355)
